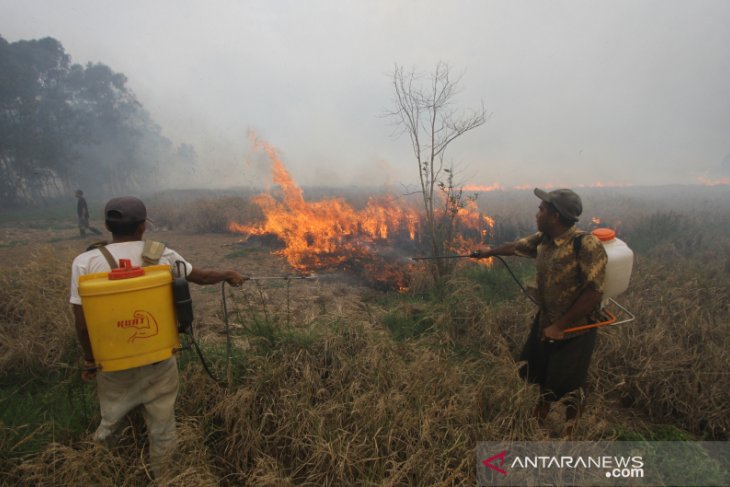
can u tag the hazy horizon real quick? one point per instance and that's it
(580, 93)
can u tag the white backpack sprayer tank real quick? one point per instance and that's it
(618, 273)
(619, 266)
(130, 315)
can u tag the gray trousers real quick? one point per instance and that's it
(152, 386)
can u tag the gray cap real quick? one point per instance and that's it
(125, 209)
(564, 200)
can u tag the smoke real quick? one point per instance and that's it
(579, 92)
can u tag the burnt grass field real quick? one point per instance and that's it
(335, 381)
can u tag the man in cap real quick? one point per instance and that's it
(571, 267)
(82, 211)
(153, 386)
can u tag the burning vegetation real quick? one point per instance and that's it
(332, 235)
(342, 385)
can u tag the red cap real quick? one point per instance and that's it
(604, 234)
(125, 271)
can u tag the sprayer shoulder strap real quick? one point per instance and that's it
(152, 252)
(577, 245)
(96, 245)
(108, 256)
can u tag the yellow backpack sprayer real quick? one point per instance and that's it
(134, 314)
(130, 315)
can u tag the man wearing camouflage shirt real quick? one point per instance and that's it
(571, 266)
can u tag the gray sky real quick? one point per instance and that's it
(580, 91)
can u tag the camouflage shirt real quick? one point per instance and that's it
(561, 274)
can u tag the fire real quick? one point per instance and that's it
(327, 233)
(713, 182)
(601, 184)
(483, 189)
(551, 186)
(471, 218)
(330, 233)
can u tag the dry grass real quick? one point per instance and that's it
(86, 463)
(328, 393)
(203, 215)
(36, 327)
(672, 362)
(356, 406)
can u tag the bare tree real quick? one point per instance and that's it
(423, 108)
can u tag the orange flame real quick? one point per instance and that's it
(331, 234)
(713, 182)
(471, 217)
(327, 233)
(551, 186)
(483, 189)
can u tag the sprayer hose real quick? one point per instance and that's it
(516, 280)
(228, 350)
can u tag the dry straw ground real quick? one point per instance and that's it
(332, 382)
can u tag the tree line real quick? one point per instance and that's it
(65, 126)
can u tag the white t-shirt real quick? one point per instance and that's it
(93, 261)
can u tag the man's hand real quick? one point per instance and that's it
(88, 372)
(553, 332)
(235, 279)
(482, 253)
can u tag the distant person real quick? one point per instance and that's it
(154, 386)
(82, 211)
(571, 266)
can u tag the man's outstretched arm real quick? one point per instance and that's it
(212, 276)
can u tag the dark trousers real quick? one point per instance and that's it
(84, 225)
(560, 367)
